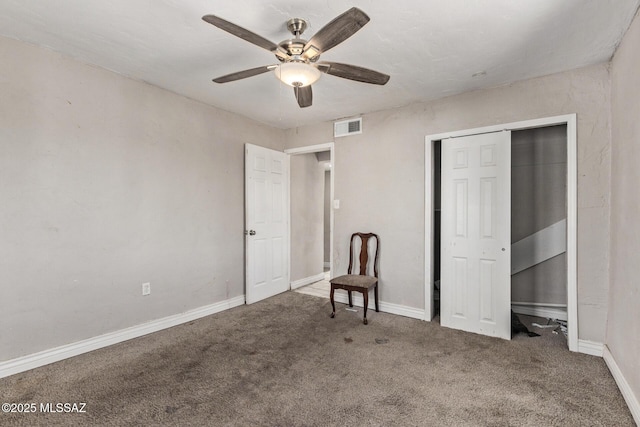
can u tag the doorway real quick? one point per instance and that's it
(311, 217)
(567, 263)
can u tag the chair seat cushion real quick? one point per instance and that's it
(355, 280)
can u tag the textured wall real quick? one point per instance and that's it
(623, 326)
(107, 183)
(307, 212)
(379, 178)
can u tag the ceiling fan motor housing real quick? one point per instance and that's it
(295, 46)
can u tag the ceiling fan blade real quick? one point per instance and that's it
(245, 34)
(335, 32)
(353, 72)
(243, 74)
(304, 95)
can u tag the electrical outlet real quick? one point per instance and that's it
(146, 288)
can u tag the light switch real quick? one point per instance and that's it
(336, 204)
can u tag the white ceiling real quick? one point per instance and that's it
(430, 48)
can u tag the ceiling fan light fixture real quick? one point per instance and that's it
(297, 74)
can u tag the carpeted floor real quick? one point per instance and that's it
(284, 362)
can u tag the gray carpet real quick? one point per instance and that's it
(284, 362)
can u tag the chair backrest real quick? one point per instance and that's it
(365, 256)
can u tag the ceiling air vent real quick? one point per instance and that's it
(347, 127)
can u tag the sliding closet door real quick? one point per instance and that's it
(476, 234)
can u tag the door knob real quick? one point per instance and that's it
(250, 232)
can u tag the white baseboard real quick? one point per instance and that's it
(307, 281)
(31, 361)
(400, 310)
(559, 313)
(632, 400)
(590, 347)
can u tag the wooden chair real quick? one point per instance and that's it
(359, 282)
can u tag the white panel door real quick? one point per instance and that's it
(266, 218)
(475, 277)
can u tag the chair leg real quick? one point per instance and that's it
(350, 302)
(333, 304)
(365, 294)
(375, 294)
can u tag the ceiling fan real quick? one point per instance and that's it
(299, 66)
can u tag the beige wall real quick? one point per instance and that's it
(107, 183)
(379, 178)
(307, 212)
(623, 326)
